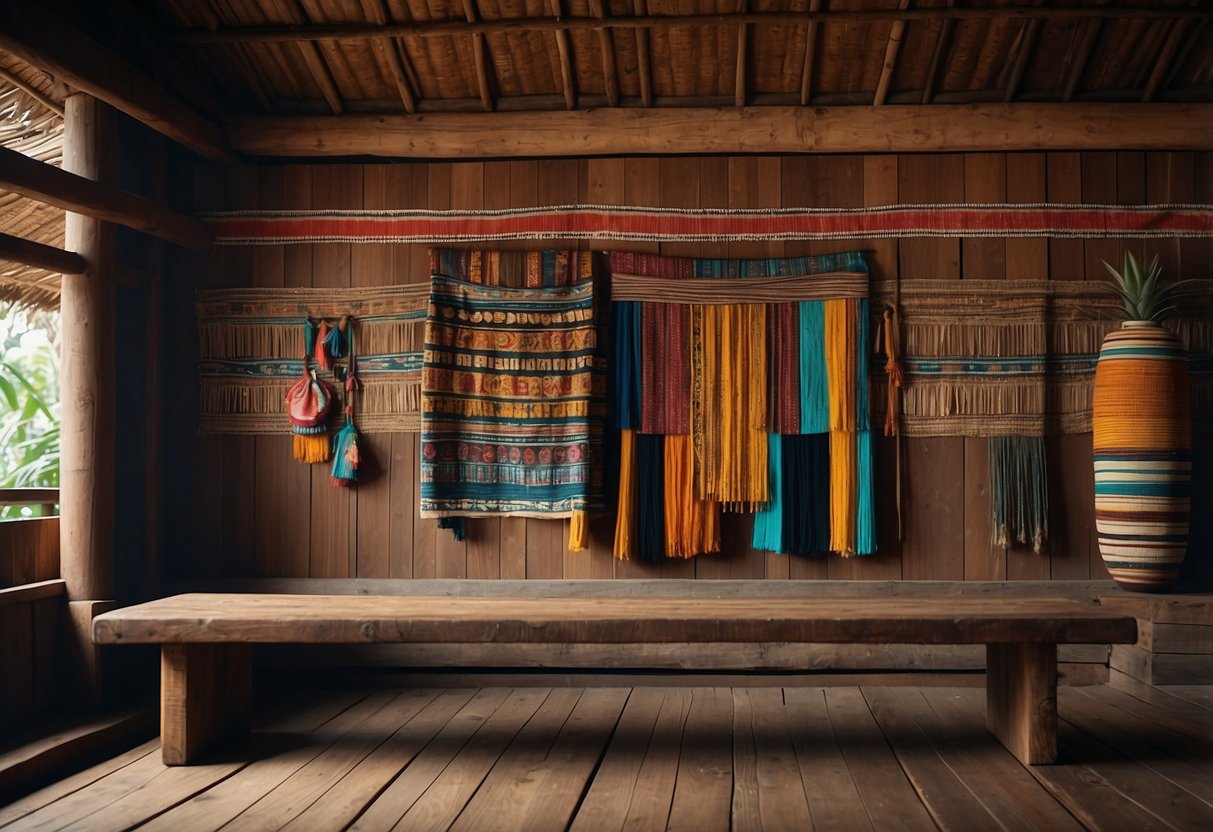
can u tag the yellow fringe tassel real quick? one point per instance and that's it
(311, 449)
(733, 404)
(843, 492)
(627, 494)
(578, 532)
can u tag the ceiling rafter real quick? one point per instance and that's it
(37, 35)
(644, 69)
(810, 56)
(1026, 39)
(312, 56)
(1193, 38)
(480, 58)
(896, 30)
(41, 256)
(606, 45)
(566, 59)
(1083, 54)
(445, 28)
(941, 45)
(378, 11)
(743, 39)
(1165, 56)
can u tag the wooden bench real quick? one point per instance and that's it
(205, 641)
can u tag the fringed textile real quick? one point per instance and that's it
(249, 354)
(692, 525)
(763, 371)
(620, 223)
(649, 543)
(1021, 359)
(814, 377)
(625, 510)
(508, 388)
(1019, 491)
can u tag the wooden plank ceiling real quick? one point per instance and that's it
(314, 57)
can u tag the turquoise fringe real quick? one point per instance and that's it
(865, 532)
(768, 521)
(814, 383)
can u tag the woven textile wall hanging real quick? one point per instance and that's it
(741, 385)
(251, 347)
(511, 396)
(636, 223)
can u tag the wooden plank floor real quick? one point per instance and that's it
(700, 759)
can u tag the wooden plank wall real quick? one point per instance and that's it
(29, 553)
(255, 513)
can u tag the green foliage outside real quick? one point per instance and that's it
(29, 403)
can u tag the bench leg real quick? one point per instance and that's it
(205, 698)
(1021, 699)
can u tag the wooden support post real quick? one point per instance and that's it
(205, 698)
(87, 388)
(810, 53)
(1021, 699)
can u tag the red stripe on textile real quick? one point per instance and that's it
(581, 222)
(665, 368)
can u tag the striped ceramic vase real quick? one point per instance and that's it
(1143, 455)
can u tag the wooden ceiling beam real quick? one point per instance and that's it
(941, 44)
(447, 28)
(810, 56)
(1083, 54)
(566, 60)
(606, 45)
(41, 38)
(28, 253)
(32, 91)
(743, 39)
(55, 186)
(892, 47)
(789, 129)
(1165, 56)
(1026, 41)
(480, 58)
(377, 11)
(644, 68)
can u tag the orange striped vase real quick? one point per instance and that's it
(1143, 455)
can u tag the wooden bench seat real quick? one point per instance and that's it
(206, 659)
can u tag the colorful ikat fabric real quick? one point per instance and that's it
(510, 398)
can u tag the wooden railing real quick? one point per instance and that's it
(31, 607)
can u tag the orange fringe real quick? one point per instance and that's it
(311, 449)
(627, 495)
(692, 525)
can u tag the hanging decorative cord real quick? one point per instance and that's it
(1019, 493)
(890, 334)
(346, 457)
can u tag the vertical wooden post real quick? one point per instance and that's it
(1021, 699)
(87, 383)
(205, 698)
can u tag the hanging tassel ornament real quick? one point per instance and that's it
(334, 339)
(345, 443)
(307, 407)
(322, 357)
(345, 454)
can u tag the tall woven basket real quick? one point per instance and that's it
(1143, 455)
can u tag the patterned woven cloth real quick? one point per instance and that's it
(509, 392)
(713, 361)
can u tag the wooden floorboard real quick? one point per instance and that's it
(692, 758)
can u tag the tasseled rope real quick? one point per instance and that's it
(1019, 492)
